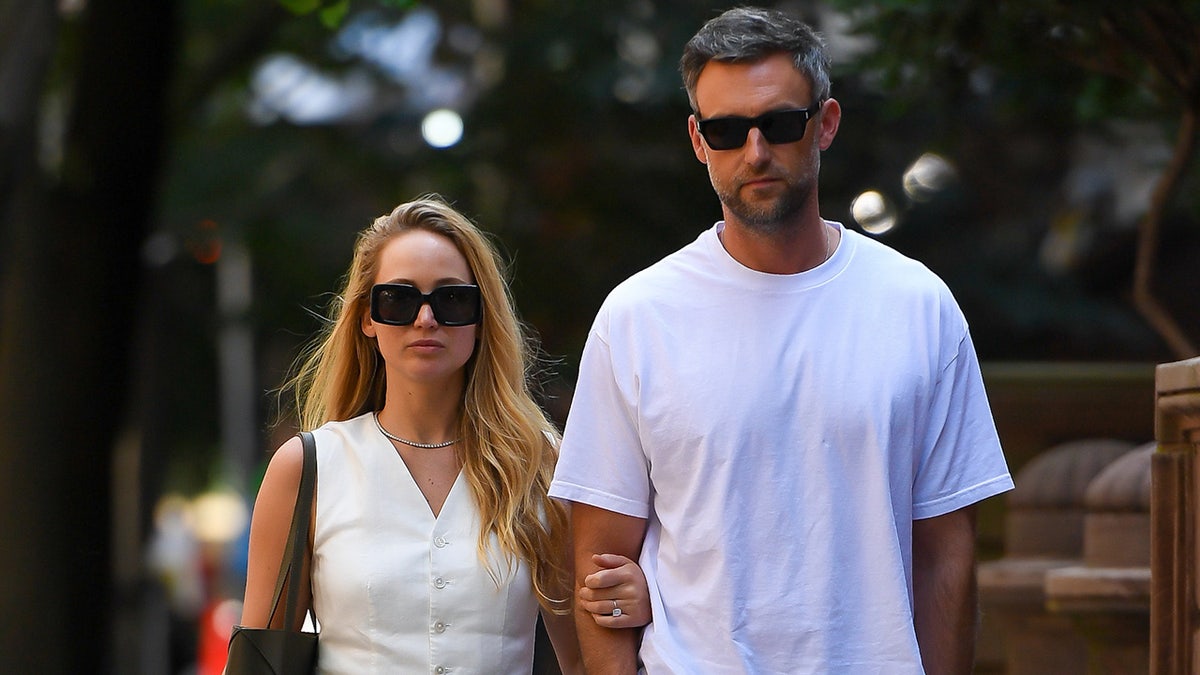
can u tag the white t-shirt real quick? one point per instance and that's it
(780, 433)
(397, 590)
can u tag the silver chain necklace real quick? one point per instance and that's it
(424, 446)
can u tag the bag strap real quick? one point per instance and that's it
(297, 546)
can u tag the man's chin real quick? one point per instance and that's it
(757, 212)
(763, 223)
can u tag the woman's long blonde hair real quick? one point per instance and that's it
(508, 447)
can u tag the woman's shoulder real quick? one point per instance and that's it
(345, 432)
(352, 442)
(283, 471)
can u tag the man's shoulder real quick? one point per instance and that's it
(879, 252)
(892, 269)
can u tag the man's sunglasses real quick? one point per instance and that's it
(782, 126)
(399, 304)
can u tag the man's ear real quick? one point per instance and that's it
(697, 141)
(831, 117)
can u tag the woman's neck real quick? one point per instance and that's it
(423, 414)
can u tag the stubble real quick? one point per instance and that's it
(766, 215)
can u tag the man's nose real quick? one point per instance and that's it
(757, 150)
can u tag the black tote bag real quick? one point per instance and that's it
(271, 651)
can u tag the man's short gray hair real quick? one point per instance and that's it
(748, 34)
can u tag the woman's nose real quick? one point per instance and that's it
(425, 316)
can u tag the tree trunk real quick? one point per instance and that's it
(71, 281)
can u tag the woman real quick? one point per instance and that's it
(434, 542)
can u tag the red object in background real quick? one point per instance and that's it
(216, 623)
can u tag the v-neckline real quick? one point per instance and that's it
(412, 482)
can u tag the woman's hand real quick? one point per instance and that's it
(617, 595)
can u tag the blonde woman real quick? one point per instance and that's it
(434, 542)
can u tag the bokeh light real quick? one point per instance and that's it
(928, 175)
(219, 517)
(874, 212)
(442, 128)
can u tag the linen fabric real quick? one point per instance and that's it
(780, 433)
(397, 590)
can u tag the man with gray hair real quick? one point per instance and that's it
(784, 421)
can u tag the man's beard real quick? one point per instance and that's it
(766, 216)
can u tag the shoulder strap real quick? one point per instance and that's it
(297, 546)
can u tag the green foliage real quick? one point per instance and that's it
(301, 7)
(1049, 73)
(331, 13)
(1105, 56)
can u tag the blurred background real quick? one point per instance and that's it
(187, 176)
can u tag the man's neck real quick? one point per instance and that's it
(790, 250)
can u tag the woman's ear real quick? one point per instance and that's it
(368, 326)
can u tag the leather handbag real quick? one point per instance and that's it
(271, 651)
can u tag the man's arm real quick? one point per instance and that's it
(944, 596)
(595, 530)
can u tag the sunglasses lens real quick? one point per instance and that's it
(725, 133)
(395, 304)
(729, 133)
(784, 127)
(399, 304)
(456, 305)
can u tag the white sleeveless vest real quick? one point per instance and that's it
(396, 590)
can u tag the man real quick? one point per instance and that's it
(784, 421)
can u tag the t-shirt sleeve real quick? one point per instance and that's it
(961, 461)
(602, 462)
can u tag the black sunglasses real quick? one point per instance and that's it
(399, 304)
(782, 126)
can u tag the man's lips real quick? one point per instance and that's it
(760, 181)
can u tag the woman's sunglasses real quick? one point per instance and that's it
(782, 126)
(399, 304)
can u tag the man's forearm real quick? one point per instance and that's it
(606, 651)
(944, 592)
(946, 618)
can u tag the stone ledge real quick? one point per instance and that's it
(1178, 376)
(1017, 581)
(1098, 589)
